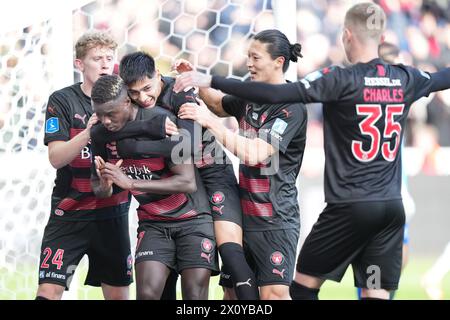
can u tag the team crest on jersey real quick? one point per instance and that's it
(59, 212)
(217, 198)
(52, 125)
(276, 258)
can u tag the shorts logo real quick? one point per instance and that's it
(217, 198)
(278, 272)
(59, 212)
(41, 274)
(129, 265)
(129, 261)
(218, 209)
(207, 245)
(52, 125)
(276, 258)
(207, 248)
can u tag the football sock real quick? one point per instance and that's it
(243, 278)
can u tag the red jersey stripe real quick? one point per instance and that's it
(165, 205)
(92, 203)
(256, 209)
(254, 185)
(81, 184)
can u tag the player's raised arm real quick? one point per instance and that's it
(440, 80)
(319, 86)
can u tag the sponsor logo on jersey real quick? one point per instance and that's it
(382, 82)
(81, 118)
(424, 74)
(52, 125)
(276, 258)
(279, 127)
(59, 212)
(286, 112)
(313, 76)
(51, 109)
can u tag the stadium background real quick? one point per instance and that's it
(36, 54)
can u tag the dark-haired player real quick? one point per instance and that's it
(270, 145)
(365, 110)
(175, 226)
(148, 88)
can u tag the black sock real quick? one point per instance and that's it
(41, 298)
(243, 278)
(170, 289)
(300, 292)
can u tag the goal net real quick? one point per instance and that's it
(36, 58)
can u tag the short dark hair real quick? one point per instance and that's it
(136, 66)
(108, 88)
(278, 45)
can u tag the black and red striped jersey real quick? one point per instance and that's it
(268, 190)
(158, 207)
(212, 160)
(365, 107)
(68, 111)
(365, 110)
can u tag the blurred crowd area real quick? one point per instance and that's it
(213, 35)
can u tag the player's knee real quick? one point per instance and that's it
(374, 293)
(278, 292)
(118, 293)
(148, 293)
(50, 291)
(196, 293)
(229, 294)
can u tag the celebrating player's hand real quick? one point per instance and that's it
(182, 65)
(92, 120)
(114, 173)
(171, 128)
(197, 112)
(100, 165)
(192, 79)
